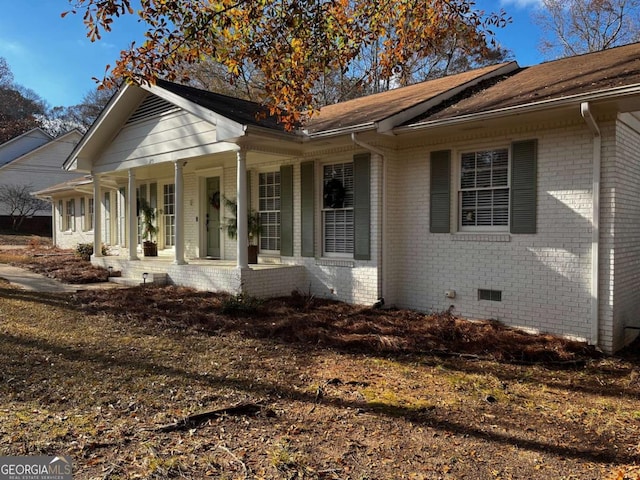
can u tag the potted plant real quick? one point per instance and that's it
(149, 230)
(254, 229)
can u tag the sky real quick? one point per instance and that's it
(53, 57)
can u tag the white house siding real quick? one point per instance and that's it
(161, 138)
(544, 277)
(41, 168)
(621, 236)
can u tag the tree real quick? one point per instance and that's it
(573, 27)
(20, 204)
(291, 44)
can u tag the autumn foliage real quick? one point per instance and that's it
(291, 44)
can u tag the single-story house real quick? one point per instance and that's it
(34, 159)
(504, 192)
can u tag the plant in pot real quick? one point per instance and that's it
(254, 229)
(149, 230)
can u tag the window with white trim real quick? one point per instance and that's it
(60, 216)
(90, 212)
(484, 190)
(337, 210)
(269, 210)
(169, 215)
(70, 214)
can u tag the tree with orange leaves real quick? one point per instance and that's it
(291, 44)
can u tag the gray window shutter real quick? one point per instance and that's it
(362, 206)
(307, 194)
(286, 210)
(524, 159)
(440, 192)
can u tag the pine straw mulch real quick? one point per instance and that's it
(309, 320)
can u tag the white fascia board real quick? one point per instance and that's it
(226, 128)
(389, 123)
(599, 96)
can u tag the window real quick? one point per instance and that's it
(89, 217)
(269, 210)
(69, 219)
(484, 190)
(337, 209)
(60, 216)
(169, 215)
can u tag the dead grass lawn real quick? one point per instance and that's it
(338, 392)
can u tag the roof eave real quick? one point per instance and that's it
(601, 95)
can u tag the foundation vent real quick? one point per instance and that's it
(491, 295)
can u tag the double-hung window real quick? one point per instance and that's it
(69, 222)
(337, 209)
(484, 190)
(269, 210)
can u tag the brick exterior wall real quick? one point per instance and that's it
(621, 202)
(544, 277)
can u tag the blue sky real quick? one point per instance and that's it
(53, 57)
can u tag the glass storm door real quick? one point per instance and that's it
(212, 217)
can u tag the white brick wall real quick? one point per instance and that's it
(621, 204)
(544, 278)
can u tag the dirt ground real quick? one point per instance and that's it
(167, 382)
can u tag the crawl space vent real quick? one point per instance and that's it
(491, 295)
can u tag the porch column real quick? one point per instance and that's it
(97, 217)
(179, 218)
(133, 217)
(241, 214)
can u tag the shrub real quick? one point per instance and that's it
(85, 250)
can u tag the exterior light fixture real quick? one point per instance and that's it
(110, 270)
(144, 277)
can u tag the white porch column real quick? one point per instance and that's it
(97, 217)
(133, 217)
(241, 214)
(179, 218)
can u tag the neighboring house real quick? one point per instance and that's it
(506, 192)
(35, 159)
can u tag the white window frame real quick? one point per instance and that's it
(270, 205)
(70, 215)
(325, 212)
(169, 219)
(460, 190)
(90, 212)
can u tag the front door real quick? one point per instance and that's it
(212, 217)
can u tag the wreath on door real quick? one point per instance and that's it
(214, 200)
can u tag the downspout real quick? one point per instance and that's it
(595, 232)
(383, 207)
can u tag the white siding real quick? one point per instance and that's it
(161, 138)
